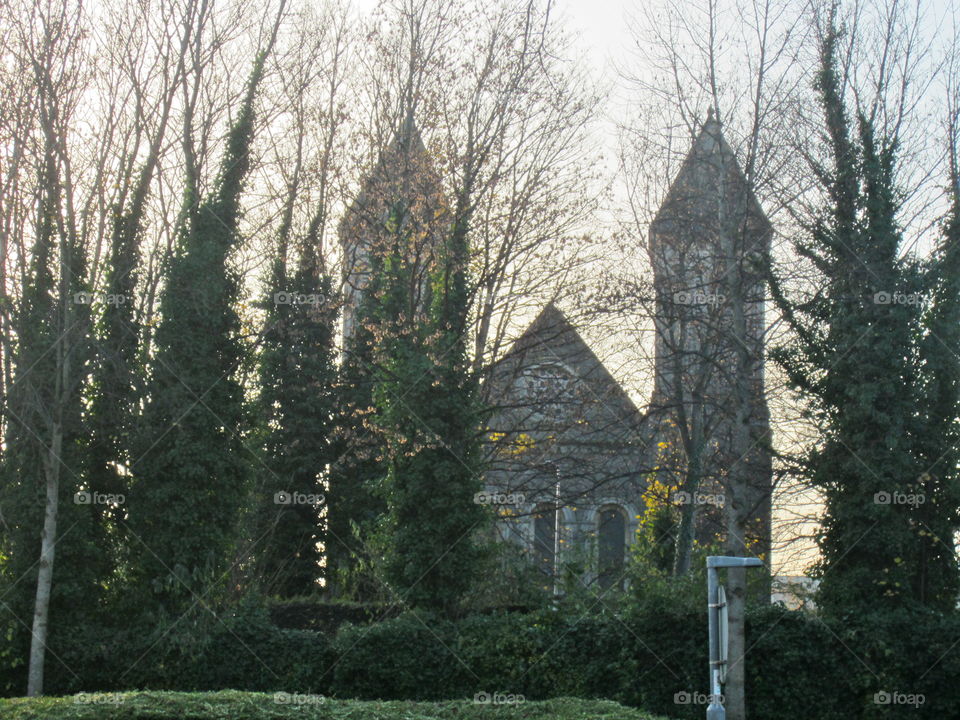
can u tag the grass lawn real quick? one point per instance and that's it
(231, 705)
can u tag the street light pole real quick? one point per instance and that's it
(715, 710)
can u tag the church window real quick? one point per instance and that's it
(545, 388)
(544, 539)
(612, 544)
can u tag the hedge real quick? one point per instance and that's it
(325, 616)
(651, 657)
(242, 651)
(282, 706)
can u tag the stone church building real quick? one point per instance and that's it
(573, 463)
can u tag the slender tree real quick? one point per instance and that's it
(297, 406)
(42, 464)
(193, 474)
(937, 582)
(856, 364)
(427, 412)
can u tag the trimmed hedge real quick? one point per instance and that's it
(243, 651)
(324, 616)
(647, 656)
(258, 706)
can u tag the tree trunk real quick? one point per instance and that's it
(41, 612)
(739, 488)
(688, 515)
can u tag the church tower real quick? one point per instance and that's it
(405, 183)
(707, 246)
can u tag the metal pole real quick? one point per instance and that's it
(715, 710)
(556, 536)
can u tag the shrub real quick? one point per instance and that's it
(325, 616)
(641, 652)
(256, 706)
(906, 664)
(408, 657)
(240, 650)
(796, 660)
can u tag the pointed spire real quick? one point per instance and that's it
(408, 138)
(712, 124)
(710, 165)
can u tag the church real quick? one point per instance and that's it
(572, 464)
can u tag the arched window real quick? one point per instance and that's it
(544, 538)
(612, 542)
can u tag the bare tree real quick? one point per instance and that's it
(473, 110)
(708, 245)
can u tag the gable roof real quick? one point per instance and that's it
(553, 335)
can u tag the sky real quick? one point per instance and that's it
(601, 26)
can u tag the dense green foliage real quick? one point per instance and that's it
(192, 475)
(938, 438)
(878, 382)
(250, 706)
(648, 653)
(427, 413)
(200, 652)
(354, 506)
(44, 431)
(116, 384)
(297, 408)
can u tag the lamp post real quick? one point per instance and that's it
(716, 618)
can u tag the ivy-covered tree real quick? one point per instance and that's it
(297, 408)
(856, 363)
(193, 475)
(116, 383)
(44, 572)
(937, 582)
(354, 506)
(403, 174)
(428, 413)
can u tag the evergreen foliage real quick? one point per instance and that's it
(867, 383)
(193, 477)
(428, 412)
(116, 378)
(353, 504)
(936, 581)
(44, 430)
(297, 408)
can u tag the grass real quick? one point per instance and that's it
(232, 705)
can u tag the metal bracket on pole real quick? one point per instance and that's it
(715, 602)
